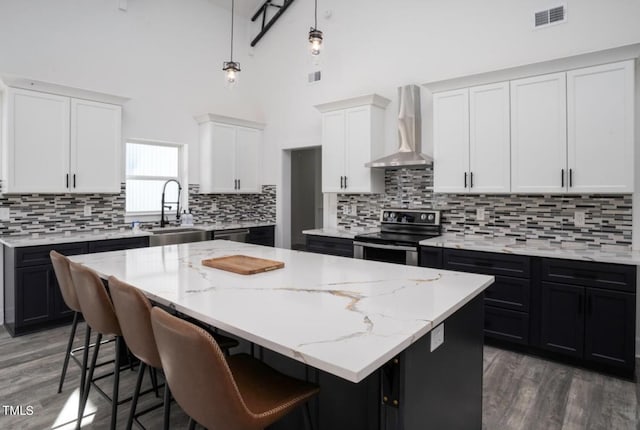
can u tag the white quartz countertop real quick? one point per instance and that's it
(335, 232)
(538, 248)
(344, 316)
(37, 239)
(71, 237)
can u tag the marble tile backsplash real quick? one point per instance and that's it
(549, 217)
(57, 213)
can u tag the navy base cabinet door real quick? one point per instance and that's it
(562, 319)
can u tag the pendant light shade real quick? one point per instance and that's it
(315, 35)
(231, 68)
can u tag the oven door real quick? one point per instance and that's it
(387, 253)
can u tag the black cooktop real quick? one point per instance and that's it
(404, 227)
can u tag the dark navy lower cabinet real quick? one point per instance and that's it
(32, 298)
(562, 319)
(262, 236)
(577, 311)
(329, 245)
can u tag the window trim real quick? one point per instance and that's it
(182, 177)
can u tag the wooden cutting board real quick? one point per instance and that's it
(243, 264)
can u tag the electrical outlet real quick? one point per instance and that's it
(87, 210)
(354, 209)
(480, 214)
(579, 219)
(4, 214)
(437, 337)
(214, 206)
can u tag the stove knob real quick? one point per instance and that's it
(392, 215)
(423, 217)
(431, 217)
(385, 215)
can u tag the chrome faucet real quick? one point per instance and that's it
(164, 205)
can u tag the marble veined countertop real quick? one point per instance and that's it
(338, 232)
(344, 316)
(538, 248)
(37, 239)
(70, 237)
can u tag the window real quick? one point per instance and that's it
(149, 166)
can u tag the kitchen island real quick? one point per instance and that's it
(364, 330)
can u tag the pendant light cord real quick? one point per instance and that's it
(316, 16)
(232, 10)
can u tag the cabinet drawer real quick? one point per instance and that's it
(38, 255)
(330, 245)
(504, 324)
(118, 244)
(488, 263)
(508, 293)
(590, 274)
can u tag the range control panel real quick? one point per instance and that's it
(408, 216)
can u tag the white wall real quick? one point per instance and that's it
(166, 55)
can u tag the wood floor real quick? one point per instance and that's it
(520, 391)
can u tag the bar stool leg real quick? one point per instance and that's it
(116, 386)
(69, 346)
(154, 380)
(83, 373)
(92, 367)
(167, 405)
(307, 417)
(136, 394)
(192, 424)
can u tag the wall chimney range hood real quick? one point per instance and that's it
(409, 133)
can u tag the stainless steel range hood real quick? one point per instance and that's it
(409, 133)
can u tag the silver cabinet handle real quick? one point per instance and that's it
(380, 246)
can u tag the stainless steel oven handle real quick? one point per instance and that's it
(380, 246)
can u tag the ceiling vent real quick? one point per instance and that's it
(315, 76)
(555, 15)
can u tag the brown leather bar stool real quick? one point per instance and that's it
(63, 275)
(100, 316)
(230, 393)
(133, 310)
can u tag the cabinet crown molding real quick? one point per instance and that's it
(370, 99)
(61, 90)
(212, 117)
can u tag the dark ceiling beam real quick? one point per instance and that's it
(263, 11)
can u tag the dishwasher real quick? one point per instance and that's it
(234, 235)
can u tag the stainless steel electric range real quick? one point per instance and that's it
(401, 230)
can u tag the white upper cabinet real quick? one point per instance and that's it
(600, 115)
(37, 148)
(230, 154)
(451, 141)
(95, 147)
(489, 140)
(58, 144)
(471, 140)
(352, 135)
(539, 134)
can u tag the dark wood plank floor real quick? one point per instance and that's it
(520, 391)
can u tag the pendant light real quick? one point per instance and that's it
(315, 35)
(231, 68)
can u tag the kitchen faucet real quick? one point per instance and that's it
(163, 205)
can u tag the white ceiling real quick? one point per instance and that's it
(244, 8)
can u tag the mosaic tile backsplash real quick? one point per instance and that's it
(57, 213)
(608, 217)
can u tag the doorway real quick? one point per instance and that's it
(306, 193)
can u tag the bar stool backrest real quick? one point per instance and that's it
(63, 275)
(134, 315)
(95, 303)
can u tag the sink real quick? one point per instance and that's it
(174, 235)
